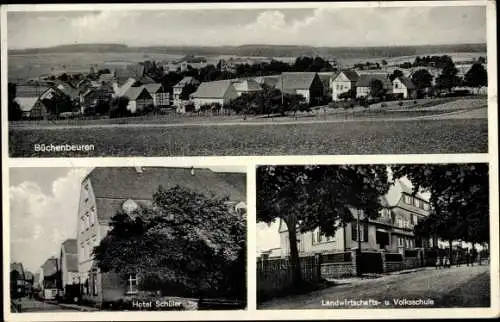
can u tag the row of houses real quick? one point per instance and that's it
(21, 280)
(103, 193)
(391, 232)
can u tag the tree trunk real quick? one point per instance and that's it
(294, 252)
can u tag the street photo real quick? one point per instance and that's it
(127, 239)
(380, 236)
(248, 80)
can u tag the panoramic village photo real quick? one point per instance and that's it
(127, 239)
(373, 236)
(327, 80)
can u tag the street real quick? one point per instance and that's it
(32, 305)
(429, 287)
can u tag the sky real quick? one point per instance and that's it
(43, 208)
(324, 26)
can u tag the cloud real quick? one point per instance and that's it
(369, 26)
(40, 222)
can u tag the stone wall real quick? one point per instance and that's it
(337, 270)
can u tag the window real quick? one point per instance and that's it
(417, 202)
(408, 199)
(132, 284)
(426, 206)
(87, 221)
(363, 232)
(399, 222)
(400, 241)
(86, 187)
(414, 219)
(94, 283)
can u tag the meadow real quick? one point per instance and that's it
(355, 137)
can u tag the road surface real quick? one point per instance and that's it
(433, 288)
(32, 305)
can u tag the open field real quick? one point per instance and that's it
(403, 136)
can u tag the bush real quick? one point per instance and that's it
(415, 102)
(400, 103)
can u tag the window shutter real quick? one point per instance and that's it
(365, 233)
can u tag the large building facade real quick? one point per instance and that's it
(392, 231)
(106, 191)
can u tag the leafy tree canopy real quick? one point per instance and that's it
(477, 76)
(185, 244)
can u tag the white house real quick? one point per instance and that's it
(217, 92)
(343, 82)
(404, 86)
(139, 98)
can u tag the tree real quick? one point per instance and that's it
(476, 76)
(307, 197)
(422, 79)
(186, 244)
(350, 94)
(14, 112)
(459, 198)
(395, 74)
(481, 60)
(384, 62)
(377, 88)
(119, 107)
(448, 77)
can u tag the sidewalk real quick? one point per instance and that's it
(373, 276)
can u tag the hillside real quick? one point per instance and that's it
(261, 50)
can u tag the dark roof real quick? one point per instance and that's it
(364, 80)
(215, 89)
(350, 74)
(114, 185)
(406, 82)
(70, 246)
(236, 180)
(295, 80)
(50, 267)
(67, 90)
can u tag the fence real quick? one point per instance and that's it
(275, 275)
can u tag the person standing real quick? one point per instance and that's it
(467, 257)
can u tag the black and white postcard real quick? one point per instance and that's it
(250, 161)
(127, 238)
(251, 81)
(373, 236)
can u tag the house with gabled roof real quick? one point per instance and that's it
(138, 99)
(182, 90)
(343, 82)
(32, 107)
(160, 95)
(364, 83)
(307, 84)
(392, 231)
(404, 87)
(68, 261)
(217, 92)
(107, 191)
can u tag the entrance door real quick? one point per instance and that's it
(382, 239)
